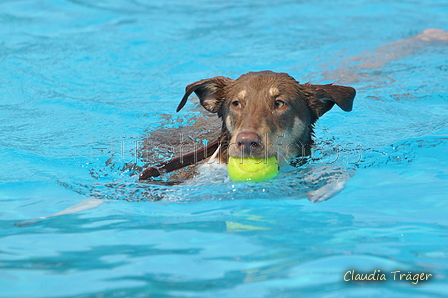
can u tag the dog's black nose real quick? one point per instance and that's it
(248, 142)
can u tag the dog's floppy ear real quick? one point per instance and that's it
(321, 98)
(210, 93)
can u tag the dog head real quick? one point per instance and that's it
(266, 113)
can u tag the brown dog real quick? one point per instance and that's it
(263, 114)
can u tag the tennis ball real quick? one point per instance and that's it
(252, 169)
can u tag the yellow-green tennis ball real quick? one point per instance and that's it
(252, 169)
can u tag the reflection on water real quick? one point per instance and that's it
(88, 94)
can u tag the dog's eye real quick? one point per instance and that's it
(236, 104)
(279, 104)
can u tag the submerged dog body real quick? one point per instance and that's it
(263, 114)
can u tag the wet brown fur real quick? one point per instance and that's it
(272, 108)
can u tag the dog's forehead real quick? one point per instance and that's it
(264, 81)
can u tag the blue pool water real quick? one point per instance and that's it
(83, 83)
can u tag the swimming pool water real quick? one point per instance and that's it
(83, 84)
